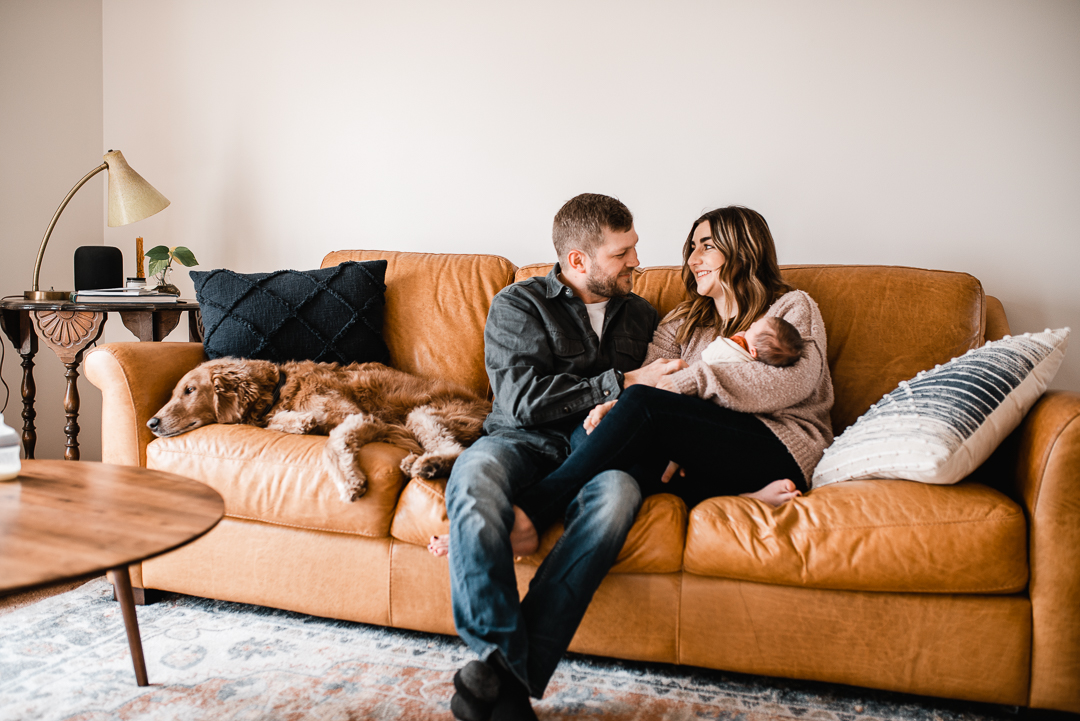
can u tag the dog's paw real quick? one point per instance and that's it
(430, 465)
(344, 468)
(293, 422)
(407, 464)
(353, 493)
(351, 484)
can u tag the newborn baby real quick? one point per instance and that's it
(769, 340)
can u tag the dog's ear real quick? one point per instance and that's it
(239, 387)
(226, 403)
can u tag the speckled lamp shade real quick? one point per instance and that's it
(131, 198)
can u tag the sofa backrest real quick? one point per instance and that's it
(884, 323)
(436, 307)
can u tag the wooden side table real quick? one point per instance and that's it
(110, 516)
(68, 329)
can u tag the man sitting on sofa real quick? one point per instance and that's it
(554, 348)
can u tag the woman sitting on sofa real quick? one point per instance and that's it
(728, 428)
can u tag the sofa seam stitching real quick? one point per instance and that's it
(678, 616)
(1001, 589)
(390, 583)
(429, 490)
(1044, 462)
(1004, 519)
(306, 528)
(199, 454)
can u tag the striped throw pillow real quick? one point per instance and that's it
(942, 424)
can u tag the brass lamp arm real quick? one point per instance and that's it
(56, 216)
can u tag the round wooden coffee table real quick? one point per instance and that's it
(69, 519)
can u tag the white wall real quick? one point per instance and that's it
(924, 133)
(50, 137)
(933, 134)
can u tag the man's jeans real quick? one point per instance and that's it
(532, 635)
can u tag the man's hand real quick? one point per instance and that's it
(596, 415)
(651, 374)
(669, 473)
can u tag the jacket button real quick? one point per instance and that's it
(566, 409)
(607, 393)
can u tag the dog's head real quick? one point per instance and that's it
(226, 390)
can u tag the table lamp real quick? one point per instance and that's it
(130, 199)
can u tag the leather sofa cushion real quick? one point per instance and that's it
(436, 308)
(279, 478)
(885, 324)
(895, 536)
(421, 512)
(654, 545)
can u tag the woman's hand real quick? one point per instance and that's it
(651, 374)
(665, 384)
(596, 415)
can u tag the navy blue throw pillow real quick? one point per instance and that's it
(328, 315)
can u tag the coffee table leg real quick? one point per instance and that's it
(121, 581)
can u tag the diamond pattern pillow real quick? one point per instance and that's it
(328, 315)
(942, 424)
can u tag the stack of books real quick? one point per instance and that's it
(122, 295)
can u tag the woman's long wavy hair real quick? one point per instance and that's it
(750, 274)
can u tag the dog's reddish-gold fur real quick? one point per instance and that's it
(355, 405)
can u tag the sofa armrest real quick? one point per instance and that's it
(1048, 486)
(136, 380)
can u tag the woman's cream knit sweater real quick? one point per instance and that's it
(794, 401)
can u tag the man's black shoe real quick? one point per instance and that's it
(513, 703)
(477, 686)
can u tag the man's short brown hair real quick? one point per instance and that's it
(579, 225)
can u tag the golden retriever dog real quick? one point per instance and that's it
(355, 405)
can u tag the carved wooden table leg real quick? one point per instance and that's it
(71, 411)
(68, 333)
(20, 331)
(29, 395)
(151, 326)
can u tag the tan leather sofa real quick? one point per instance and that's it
(969, 591)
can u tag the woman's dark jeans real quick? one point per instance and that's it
(723, 452)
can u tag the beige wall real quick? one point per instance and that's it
(924, 133)
(50, 137)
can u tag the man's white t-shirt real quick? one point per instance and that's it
(596, 316)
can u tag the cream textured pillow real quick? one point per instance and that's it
(942, 424)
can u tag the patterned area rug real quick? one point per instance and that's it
(67, 658)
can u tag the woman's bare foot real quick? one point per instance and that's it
(776, 492)
(439, 545)
(523, 538)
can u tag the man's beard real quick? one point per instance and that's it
(608, 287)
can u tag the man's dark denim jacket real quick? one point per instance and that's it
(547, 367)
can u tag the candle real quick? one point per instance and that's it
(139, 259)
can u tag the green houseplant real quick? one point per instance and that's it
(161, 258)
